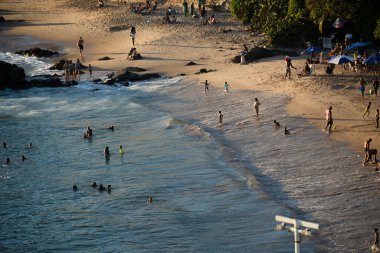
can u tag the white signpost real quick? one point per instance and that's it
(296, 226)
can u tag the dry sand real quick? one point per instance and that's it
(166, 48)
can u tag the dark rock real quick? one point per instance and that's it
(2, 19)
(260, 52)
(137, 57)
(191, 64)
(126, 84)
(59, 65)
(203, 71)
(39, 81)
(182, 74)
(127, 76)
(105, 58)
(111, 75)
(118, 28)
(109, 81)
(37, 52)
(135, 69)
(97, 80)
(10, 74)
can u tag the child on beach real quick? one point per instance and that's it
(80, 45)
(289, 65)
(220, 117)
(226, 85)
(366, 111)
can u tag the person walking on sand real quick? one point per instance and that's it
(329, 119)
(377, 118)
(206, 86)
(289, 65)
(256, 105)
(80, 45)
(226, 85)
(362, 87)
(220, 117)
(133, 35)
(366, 111)
(375, 86)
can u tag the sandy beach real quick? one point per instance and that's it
(167, 48)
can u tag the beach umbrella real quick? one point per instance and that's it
(339, 23)
(311, 50)
(374, 59)
(340, 59)
(357, 45)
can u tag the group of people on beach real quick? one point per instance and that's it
(72, 70)
(22, 157)
(256, 106)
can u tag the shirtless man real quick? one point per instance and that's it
(206, 86)
(80, 45)
(220, 117)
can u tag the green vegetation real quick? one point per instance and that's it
(285, 22)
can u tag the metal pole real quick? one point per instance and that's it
(297, 238)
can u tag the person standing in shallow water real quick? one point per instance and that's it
(220, 117)
(329, 119)
(206, 86)
(256, 105)
(133, 35)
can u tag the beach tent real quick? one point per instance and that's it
(357, 45)
(340, 59)
(374, 59)
(311, 50)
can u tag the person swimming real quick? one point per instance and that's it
(23, 158)
(121, 152)
(89, 132)
(30, 145)
(101, 188)
(112, 128)
(107, 152)
(109, 188)
(8, 161)
(94, 185)
(75, 188)
(149, 200)
(276, 124)
(4, 145)
(286, 131)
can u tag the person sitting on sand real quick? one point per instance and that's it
(100, 4)
(173, 20)
(211, 20)
(286, 131)
(166, 19)
(276, 124)
(306, 70)
(133, 55)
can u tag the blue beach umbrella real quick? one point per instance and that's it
(340, 59)
(311, 50)
(357, 45)
(374, 59)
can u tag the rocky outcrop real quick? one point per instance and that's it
(127, 76)
(59, 65)
(37, 52)
(261, 52)
(134, 69)
(2, 19)
(13, 77)
(10, 74)
(105, 58)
